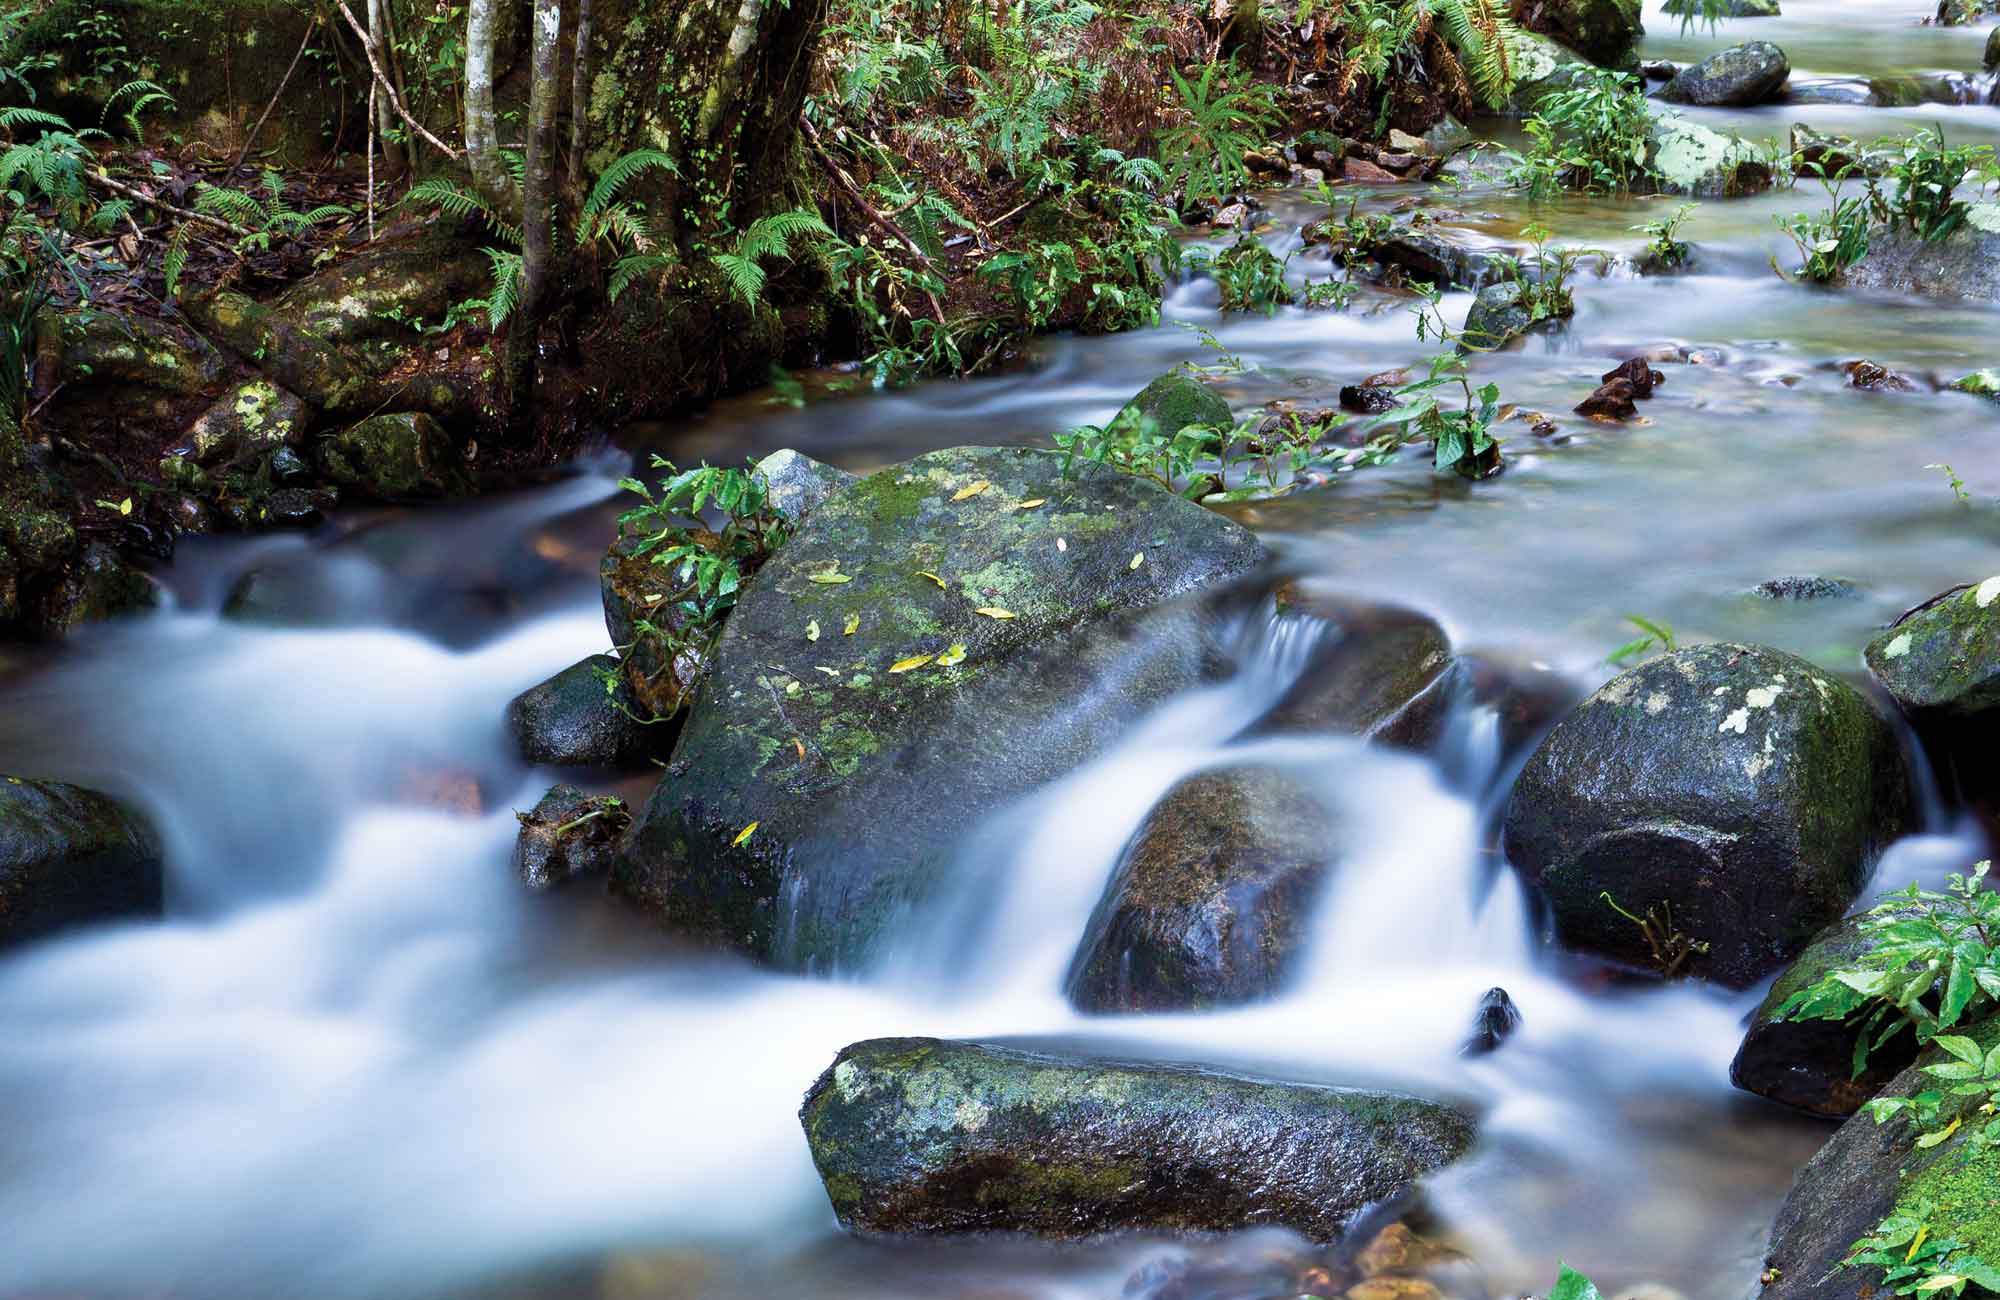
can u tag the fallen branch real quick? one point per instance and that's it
(382, 79)
(185, 214)
(870, 211)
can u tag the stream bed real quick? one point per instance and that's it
(359, 1061)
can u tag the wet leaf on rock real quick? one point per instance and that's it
(994, 611)
(745, 834)
(952, 657)
(852, 625)
(926, 573)
(812, 630)
(914, 661)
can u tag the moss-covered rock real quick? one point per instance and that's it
(643, 614)
(1809, 1064)
(95, 583)
(394, 458)
(1499, 314)
(379, 295)
(572, 720)
(70, 856)
(1752, 73)
(825, 776)
(1684, 157)
(1984, 382)
(1541, 67)
(1965, 264)
(1174, 401)
(568, 835)
(1606, 32)
(252, 419)
(1869, 1171)
(918, 1135)
(1377, 671)
(1736, 793)
(104, 347)
(1943, 660)
(1211, 900)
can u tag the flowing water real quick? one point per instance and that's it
(357, 1061)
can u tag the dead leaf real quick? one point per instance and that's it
(745, 834)
(812, 630)
(926, 573)
(952, 657)
(1061, 545)
(967, 493)
(1137, 559)
(1030, 505)
(852, 625)
(830, 672)
(799, 745)
(994, 611)
(914, 661)
(828, 577)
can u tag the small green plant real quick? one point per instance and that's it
(1591, 136)
(1653, 633)
(1831, 241)
(1671, 950)
(1915, 1261)
(1572, 1285)
(1461, 432)
(1669, 251)
(1249, 276)
(262, 213)
(1543, 276)
(1179, 460)
(766, 237)
(1923, 182)
(1203, 151)
(1958, 491)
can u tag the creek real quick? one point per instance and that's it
(358, 1060)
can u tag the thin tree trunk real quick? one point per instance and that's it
(385, 118)
(482, 140)
(579, 100)
(538, 193)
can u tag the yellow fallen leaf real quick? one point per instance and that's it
(1137, 560)
(966, 493)
(125, 506)
(952, 657)
(745, 834)
(828, 577)
(1030, 505)
(799, 745)
(1061, 545)
(914, 661)
(791, 688)
(994, 611)
(852, 625)
(830, 672)
(926, 573)
(812, 630)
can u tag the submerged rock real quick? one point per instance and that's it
(394, 458)
(1740, 76)
(572, 720)
(1429, 254)
(1174, 401)
(1942, 661)
(919, 1135)
(1803, 588)
(1874, 377)
(1376, 671)
(1730, 797)
(1499, 314)
(1493, 1023)
(568, 834)
(1965, 264)
(1210, 902)
(1809, 1064)
(1869, 1171)
(70, 856)
(1006, 626)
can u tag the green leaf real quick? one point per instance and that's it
(1572, 1285)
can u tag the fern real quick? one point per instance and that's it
(456, 200)
(144, 94)
(1482, 33)
(746, 278)
(506, 293)
(765, 237)
(176, 259)
(622, 170)
(20, 115)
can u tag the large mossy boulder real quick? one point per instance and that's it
(1809, 1064)
(1965, 264)
(1731, 795)
(399, 457)
(1869, 1171)
(1942, 661)
(1174, 401)
(1540, 67)
(254, 418)
(918, 1135)
(1606, 32)
(1212, 899)
(938, 639)
(572, 720)
(70, 856)
(1738, 77)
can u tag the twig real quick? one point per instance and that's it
(251, 139)
(874, 215)
(395, 100)
(373, 118)
(185, 214)
(45, 401)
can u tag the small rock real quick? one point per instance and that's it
(1638, 373)
(571, 720)
(1611, 401)
(252, 417)
(1231, 217)
(1393, 1288)
(289, 468)
(1368, 399)
(1740, 76)
(1942, 660)
(1360, 169)
(1980, 383)
(1174, 401)
(1875, 378)
(569, 834)
(1399, 163)
(1806, 588)
(1492, 1024)
(1264, 163)
(1992, 59)
(393, 458)
(291, 508)
(1404, 142)
(1376, 671)
(71, 856)
(1496, 318)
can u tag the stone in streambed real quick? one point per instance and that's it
(1964, 264)
(1742, 75)
(1739, 788)
(1493, 1023)
(1380, 672)
(1942, 661)
(572, 720)
(921, 1135)
(817, 796)
(254, 418)
(394, 458)
(1809, 1064)
(1980, 383)
(1211, 899)
(1174, 401)
(1604, 31)
(1806, 588)
(70, 856)
(569, 834)
(796, 484)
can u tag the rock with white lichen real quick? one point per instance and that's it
(1707, 813)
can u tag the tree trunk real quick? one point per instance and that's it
(482, 142)
(538, 193)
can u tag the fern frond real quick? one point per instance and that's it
(627, 271)
(455, 200)
(176, 259)
(746, 278)
(232, 205)
(615, 177)
(21, 115)
(506, 286)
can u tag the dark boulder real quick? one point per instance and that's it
(1740, 76)
(394, 458)
(1732, 796)
(918, 1135)
(568, 834)
(1809, 1064)
(1493, 1023)
(1174, 401)
(1006, 625)
(1377, 671)
(70, 856)
(573, 720)
(1606, 32)
(1942, 661)
(1211, 900)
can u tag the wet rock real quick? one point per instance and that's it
(1872, 377)
(918, 1135)
(569, 834)
(1824, 154)
(1613, 400)
(1498, 316)
(1399, 163)
(798, 483)
(71, 856)
(1173, 402)
(289, 468)
(1428, 254)
(1604, 31)
(251, 419)
(1809, 1064)
(661, 667)
(375, 295)
(95, 584)
(1731, 795)
(1266, 163)
(1847, 92)
(1980, 383)
(1448, 137)
(1992, 56)
(1493, 1023)
(394, 458)
(1527, 698)
(1639, 373)
(1360, 169)
(860, 780)
(1404, 142)
(1376, 671)
(1541, 67)
(1368, 399)
(1740, 76)
(1808, 587)
(1688, 158)
(1869, 1171)
(1730, 8)
(1210, 902)
(1230, 217)
(1942, 661)
(571, 720)
(104, 347)
(291, 508)
(1965, 264)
